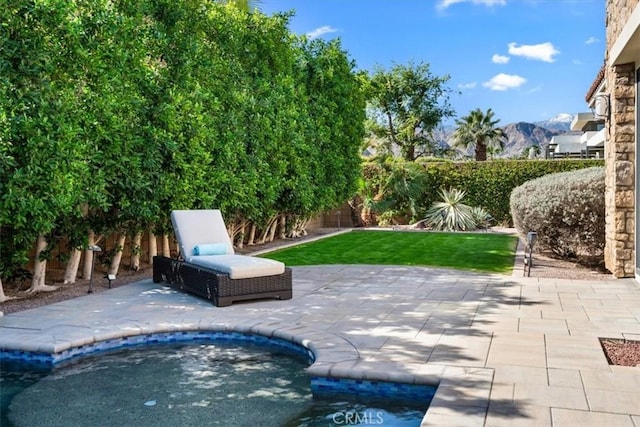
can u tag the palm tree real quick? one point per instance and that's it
(534, 151)
(479, 130)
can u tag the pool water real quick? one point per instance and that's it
(223, 384)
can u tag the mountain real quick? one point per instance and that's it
(561, 122)
(523, 135)
(520, 136)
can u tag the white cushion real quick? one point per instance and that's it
(195, 227)
(239, 266)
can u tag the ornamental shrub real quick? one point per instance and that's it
(450, 214)
(567, 211)
(397, 186)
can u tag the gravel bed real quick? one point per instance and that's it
(621, 352)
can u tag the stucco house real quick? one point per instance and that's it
(562, 146)
(619, 106)
(586, 139)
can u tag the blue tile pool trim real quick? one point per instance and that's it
(29, 357)
(319, 385)
(328, 386)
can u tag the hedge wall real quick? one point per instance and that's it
(487, 184)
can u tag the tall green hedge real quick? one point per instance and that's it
(115, 112)
(487, 184)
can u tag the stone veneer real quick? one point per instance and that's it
(620, 149)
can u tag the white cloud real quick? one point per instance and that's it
(591, 40)
(541, 52)
(499, 59)
(443, 4)
(502, 82)
(469, 85)
(326, 29)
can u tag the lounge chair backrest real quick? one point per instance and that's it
(199, 227)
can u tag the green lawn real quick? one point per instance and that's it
(485, 252)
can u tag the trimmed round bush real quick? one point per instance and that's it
(567, 211)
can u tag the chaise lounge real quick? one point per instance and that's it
(208, 267)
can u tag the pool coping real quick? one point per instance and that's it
(333, 357)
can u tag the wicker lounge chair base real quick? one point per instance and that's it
(218, 287)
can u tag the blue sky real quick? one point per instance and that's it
(528, 60)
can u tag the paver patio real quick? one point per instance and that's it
(507, 350)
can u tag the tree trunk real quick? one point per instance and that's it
(240, 238)
(3, 297)
(71, 272)
(409, 153)
(88, 257)
(272, 232)
(166, 249)
(153, 246)
(369, 218)
(252, 235)
(267, 230)
(40, 269)
(299, 228)
(75, 256)
(136, 249)
(481, 152)
(117, 254)
(354, 202)
(231, 231)
(282, 234)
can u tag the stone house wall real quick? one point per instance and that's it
(620, 149)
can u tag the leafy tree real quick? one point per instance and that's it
(245, 5)
(479, 131)
(7, 165)
(114, 113)
(401, 190)
(44, 65)
(334, 132)
(406, 104)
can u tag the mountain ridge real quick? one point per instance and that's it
(522, 135)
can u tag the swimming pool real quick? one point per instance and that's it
(221, 382)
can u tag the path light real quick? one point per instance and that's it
(93, 249)
(531, 238)
(528, 252)
(110, 278)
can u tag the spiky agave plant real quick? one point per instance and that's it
(450, 214)
(482, 218)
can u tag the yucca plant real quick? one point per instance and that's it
(482, 218)
(450, 214)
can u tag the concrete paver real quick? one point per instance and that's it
(506, 350)
(570, 417)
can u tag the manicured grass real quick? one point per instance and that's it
(485, 252)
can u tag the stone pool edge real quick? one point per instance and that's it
(458, 391)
